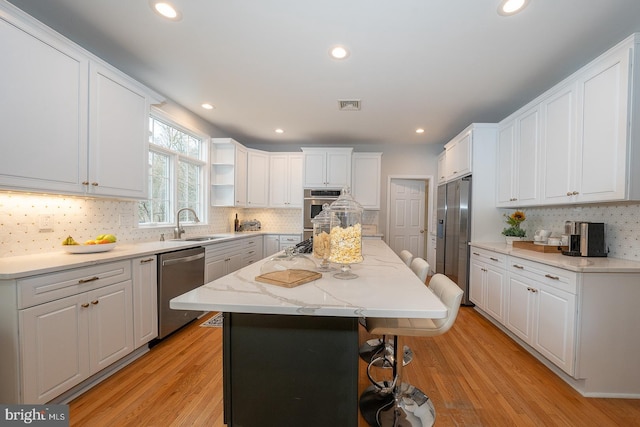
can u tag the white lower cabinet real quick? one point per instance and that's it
(271, 244)
(145, 288)
(543, 317)
(226, 257)
(487, 277)
(65, 341)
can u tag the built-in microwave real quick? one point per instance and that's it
(312, 206)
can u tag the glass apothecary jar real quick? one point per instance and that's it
(321, 237)
(345, 247)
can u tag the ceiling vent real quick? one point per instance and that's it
(349, 104)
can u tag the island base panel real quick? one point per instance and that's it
(282, 370)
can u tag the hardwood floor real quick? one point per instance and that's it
(474, 374)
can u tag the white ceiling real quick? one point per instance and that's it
(264, 64)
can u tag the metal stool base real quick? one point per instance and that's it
(411, 408)
(373, 348)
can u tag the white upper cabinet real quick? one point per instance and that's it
(257, 179)
(442, 165)
(518, 147)
(285, 180)
(365, 179)
(327, 167)
(457, 157)
(77, 126)
(558, 145)
(43, 111)
(587, 134)
(603, 118)
(118, 141)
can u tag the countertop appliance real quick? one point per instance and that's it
(586, 239)
(453, 218)
(312, 206)
(178, 273)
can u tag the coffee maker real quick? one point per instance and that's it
(586, 239)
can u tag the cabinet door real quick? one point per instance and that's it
(365, 186)
(215, 269)
(235, 262)
(271, 245)
(241, 177)
(145, 300)
(296, 190)
(520, 307)
(442, 163)
(278, 181)
(257, 180)
(505, 170)
(118, 141)
(602, 129)
(338, 169)
(476, 283)
(526, 162)
(111, 321)
(315, 166)
(558, 146)
(458, 157)
(495, 290)
(554, 331)
(43, 112)
(54, 346)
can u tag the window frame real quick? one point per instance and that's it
(174, 159)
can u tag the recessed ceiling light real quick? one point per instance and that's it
(511, 7)
(338, 52)
(166, 10)
(419, 130)
(207, 106)
(279, 130)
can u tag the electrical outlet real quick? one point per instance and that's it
(45, 222)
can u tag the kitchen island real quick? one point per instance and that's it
(291, 354)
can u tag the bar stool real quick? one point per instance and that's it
(375, 347)
(406, 256)
(401, 404)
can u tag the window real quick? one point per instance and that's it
(176, 174)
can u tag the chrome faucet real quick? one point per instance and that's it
(179, 231)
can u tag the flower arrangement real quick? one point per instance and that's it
(514, 220)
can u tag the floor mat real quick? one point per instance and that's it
(214, 322)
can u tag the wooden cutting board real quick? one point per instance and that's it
(531, 246)
(288, 278)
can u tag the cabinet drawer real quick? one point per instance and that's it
(49, 287)
(489, 257)
(543, 273)
(217, 250)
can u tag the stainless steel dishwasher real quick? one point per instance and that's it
(178, 273)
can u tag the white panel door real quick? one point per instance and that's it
(406, 222)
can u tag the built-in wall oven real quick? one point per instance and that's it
(313, 201)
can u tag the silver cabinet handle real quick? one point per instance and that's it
(92, 279)
(493, 259)
(476, 253)
(552, 277)
(519, 267)
(181, 260)
(85, 305)
(144, 261)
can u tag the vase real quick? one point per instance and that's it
(511, 239)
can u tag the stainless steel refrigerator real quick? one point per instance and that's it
(453, 233)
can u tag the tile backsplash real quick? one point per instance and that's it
(622, 224)
(22, 215)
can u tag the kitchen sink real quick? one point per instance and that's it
(202, 238)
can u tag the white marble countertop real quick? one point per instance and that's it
(29, 265)
(577, 264)
(385, 287)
